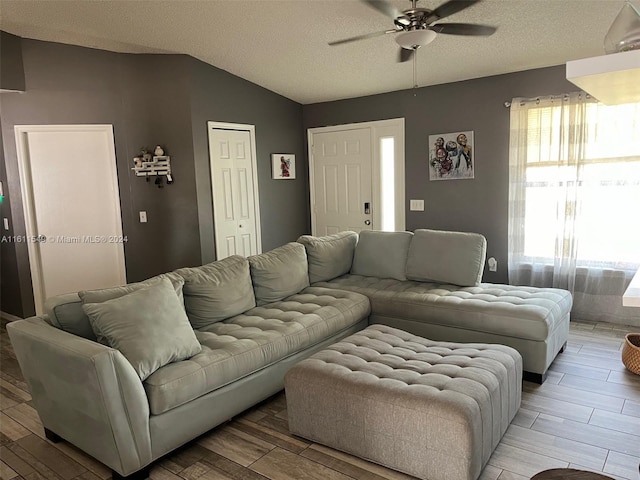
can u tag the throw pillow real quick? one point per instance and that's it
(217, 291)
(279, 273)
(456, 258)
(381, 254)
(149, 326)
(329, 256)
(104, 294)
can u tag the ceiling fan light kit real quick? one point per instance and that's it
(415, 38)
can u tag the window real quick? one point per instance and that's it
(582, 183)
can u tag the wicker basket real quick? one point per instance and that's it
(631, 352)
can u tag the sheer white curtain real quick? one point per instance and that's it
(574, 201)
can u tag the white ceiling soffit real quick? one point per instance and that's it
(612, 79)
(282, 44)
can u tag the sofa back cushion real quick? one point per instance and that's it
(456, 258)
(65, 312)
(381, 254)
(217, 291)
(279, 273)
(330, 256)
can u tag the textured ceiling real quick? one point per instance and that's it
(282, 44)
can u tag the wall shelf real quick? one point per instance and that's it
(155, 167)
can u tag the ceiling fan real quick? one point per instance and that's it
(416, 26)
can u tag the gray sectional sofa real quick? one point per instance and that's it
(130, 373)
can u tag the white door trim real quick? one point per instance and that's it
(254, 167)
(379, 129)
(24, 168)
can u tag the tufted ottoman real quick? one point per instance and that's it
(435, 410)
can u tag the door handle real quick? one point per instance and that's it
(367, 222)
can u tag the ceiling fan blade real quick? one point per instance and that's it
(384, 7)
(470, 29)
(449, 8)
(361, 37)
(405, 55)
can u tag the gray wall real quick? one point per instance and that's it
(156, 110)
(218, 96)
(10, 294)
(168, 99)
(149, 99)
(478, 205)
(11, 70)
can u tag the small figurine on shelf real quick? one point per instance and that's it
(158, 152)
(146, 156)
(137, 162)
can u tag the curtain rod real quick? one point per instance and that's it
(564, 96)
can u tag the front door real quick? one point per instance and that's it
(72, 208)
(235, 207)
(341, 181)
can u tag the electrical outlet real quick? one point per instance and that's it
(416, 205)
(143, 217)
(493, 264)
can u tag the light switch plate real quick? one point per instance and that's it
(143, 217)
(416, 205)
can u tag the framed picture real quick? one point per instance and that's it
(283, 166)
(451, 156)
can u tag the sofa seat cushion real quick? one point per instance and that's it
(514, 311)
(246, 343)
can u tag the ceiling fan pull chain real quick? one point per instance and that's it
(415, 73)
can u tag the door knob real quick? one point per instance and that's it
(367, 222)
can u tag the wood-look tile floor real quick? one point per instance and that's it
(586, 416)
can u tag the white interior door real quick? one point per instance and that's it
(342, 181)
(72, 208)
(235, 194)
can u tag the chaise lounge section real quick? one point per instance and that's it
(429, 283)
